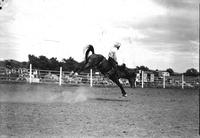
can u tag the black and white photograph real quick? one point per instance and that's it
(99, 68)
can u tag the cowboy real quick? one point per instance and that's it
(112, 57)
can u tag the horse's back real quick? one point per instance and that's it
(96, 57)
(100, 62)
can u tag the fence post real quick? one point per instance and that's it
(90, 77)
(163, 80)
(182, 81)
(30, 73)
(135, 83)
(60, 77)
(142, 79)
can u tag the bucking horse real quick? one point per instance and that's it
(99, 62)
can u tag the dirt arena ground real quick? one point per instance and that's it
(53, 111)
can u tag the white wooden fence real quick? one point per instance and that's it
(63, 77)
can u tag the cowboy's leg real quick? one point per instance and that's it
(114, 66)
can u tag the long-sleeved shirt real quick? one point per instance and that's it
(113, 53)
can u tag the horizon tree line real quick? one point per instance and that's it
(44, 63)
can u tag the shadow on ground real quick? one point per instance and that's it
(109, 99)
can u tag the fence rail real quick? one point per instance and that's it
(63, 77)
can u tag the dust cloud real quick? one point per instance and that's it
(44, 94)
(80, 95)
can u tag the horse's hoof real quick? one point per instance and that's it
(124, 95)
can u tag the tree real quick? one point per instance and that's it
(69, 64)
(34, 61)
(12, 64)
(191, 72)
(143, 68)
(44, 63)
(24, 64)
(40, 63)
(54, 64)
(171, 72)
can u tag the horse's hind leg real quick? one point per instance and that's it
(115, 80)
(87, 66)
(83, 67)
(132, 82)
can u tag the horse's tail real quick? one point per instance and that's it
(90, 48)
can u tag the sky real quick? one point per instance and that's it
(159, 34)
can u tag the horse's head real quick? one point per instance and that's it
(122, 67)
